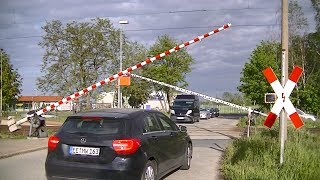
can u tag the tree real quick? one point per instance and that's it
(235, 98)
(170, 69)
(139, 90)
(76, 55)
(298, 23)
(254, 85)
(304, 52)
(133, 53)
(309, 95)
(298, 26)
(316, 7)
(11, 82)
(252, 82)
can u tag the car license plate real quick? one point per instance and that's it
(180, 117)
(90, 151)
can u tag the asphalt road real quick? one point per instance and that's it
(210, 138)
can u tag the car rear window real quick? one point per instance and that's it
(94, 125)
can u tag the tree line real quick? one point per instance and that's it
(304, 51)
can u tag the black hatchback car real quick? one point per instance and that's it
(118, 144)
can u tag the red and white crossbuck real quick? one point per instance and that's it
(283, 94)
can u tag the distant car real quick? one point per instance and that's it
(186, 108)
(204, 114)
(118, 144)
(214, 112)
(305, 115)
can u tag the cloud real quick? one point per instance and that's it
(220, 57)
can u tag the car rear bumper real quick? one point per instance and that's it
(120, 168)
(204, 116)
(214, 114)
(182, 118)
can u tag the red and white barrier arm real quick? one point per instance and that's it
(13, 125)
(199, 94)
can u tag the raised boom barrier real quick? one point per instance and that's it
(14, 125)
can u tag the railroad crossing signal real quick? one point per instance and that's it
(283, 94)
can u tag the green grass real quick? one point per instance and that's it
(228, 110)
(258, 121)
(8, 135)
(15, 114)
(61, 116)
(257, 157)
(17, 135)
(312, 124)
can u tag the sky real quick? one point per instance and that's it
(219, 59)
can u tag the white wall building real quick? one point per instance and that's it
(156, 101)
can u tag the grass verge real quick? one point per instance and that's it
(257, 157)
(8, 135)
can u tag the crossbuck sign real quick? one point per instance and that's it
(283, 94)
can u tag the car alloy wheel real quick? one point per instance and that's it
(189, 155)
(149, 171)
(187, 158)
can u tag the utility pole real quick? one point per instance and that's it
(284, 74)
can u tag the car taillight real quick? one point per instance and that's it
(53, 142)
(126, 146)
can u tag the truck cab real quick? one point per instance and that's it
(185, 108)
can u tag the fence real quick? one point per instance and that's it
(228, 109)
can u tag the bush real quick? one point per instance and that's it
(258, 121)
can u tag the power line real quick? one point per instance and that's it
(151, 13)
(157, 29)
(199, 27)
(20, 37)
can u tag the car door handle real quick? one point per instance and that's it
(173, 134)
(154, 137)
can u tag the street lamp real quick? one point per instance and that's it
(119, 87)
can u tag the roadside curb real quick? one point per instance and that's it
(22, 152)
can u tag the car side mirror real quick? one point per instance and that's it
(183, 128)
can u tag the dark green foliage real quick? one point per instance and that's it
(138, 92)
(236, 98)
(303, 52)
(79, 54)
(11, 82)
(76, 55)
(253, 83)
(171, 69)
